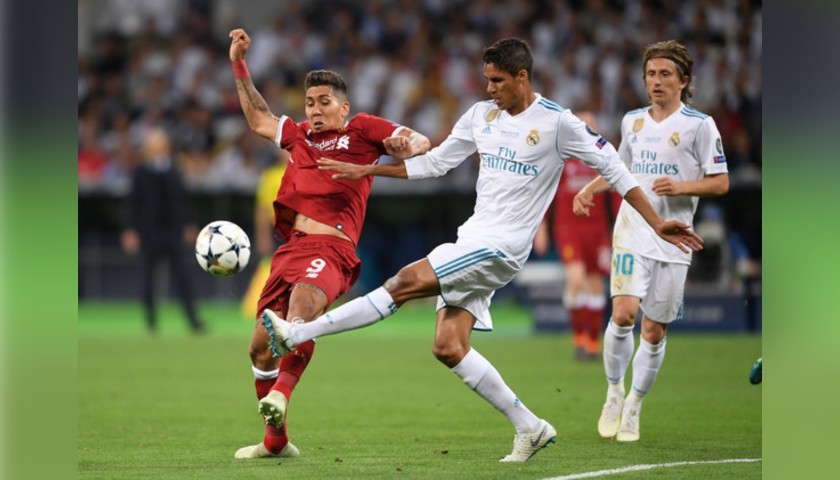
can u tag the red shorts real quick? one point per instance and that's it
(327, 262)
(588, 245)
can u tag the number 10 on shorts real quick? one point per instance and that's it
(315, 268)
(623, 263)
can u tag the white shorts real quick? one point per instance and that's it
(660, 285)
(469, 274)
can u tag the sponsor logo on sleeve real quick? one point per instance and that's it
(601, 142)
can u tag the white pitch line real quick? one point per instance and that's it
(637, 468)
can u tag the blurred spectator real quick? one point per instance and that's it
(93, 159)
(238, 167)
(169, 55)
(158, 226)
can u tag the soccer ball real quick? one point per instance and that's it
(222, 248)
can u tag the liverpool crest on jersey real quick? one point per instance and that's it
(533, 138)
(674, 140)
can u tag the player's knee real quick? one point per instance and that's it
(404, 286)
(653, 332)
(261, 356)
(623, 317)
(449, 353)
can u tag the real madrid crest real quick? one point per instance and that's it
(638, 124)
(674, 140)
(491, 115)
(533, 138)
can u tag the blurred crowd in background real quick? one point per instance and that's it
(417, 62)
(165, 63)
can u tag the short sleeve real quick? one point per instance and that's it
(286, 133)
(375, 129)
(709, 148)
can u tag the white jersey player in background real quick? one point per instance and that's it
(676, 155)
(523, 141)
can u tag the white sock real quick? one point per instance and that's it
(618, 350)
(265, 374)
(357, 313)
(646, 365)
(632, 399)
(482, 377)
(615, 390)
(596, 302)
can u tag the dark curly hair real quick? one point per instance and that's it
(316, 78)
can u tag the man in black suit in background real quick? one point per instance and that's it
(158, 225)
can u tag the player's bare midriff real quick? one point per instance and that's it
(309, 225)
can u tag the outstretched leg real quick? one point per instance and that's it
(416, 280)
(452, 348)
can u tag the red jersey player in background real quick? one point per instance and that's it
(320, 219)
(584, 246)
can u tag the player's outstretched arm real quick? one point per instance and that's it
(584, 200)
(407, 143)
(671, 231)
(351, 171)
(260, 119)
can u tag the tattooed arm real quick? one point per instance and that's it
(260, 119)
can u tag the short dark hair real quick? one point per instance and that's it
(316, 78)
(677, 53)
(510, 55)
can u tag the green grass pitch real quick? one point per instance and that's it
(374, 403)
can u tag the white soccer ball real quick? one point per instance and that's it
(222, 248)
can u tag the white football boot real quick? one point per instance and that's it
(259, 451)
(611, 414)
(273, 407)
(629, 430)
(278, 333)
(525, 445)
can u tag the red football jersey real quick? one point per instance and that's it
(313, 192)
(576, 175)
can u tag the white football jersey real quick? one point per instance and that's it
(521, 158)
(686, 146)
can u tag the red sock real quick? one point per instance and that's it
(275, 439)
(292, 367)
(263, 386)
(577, 322)
(594, 323)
